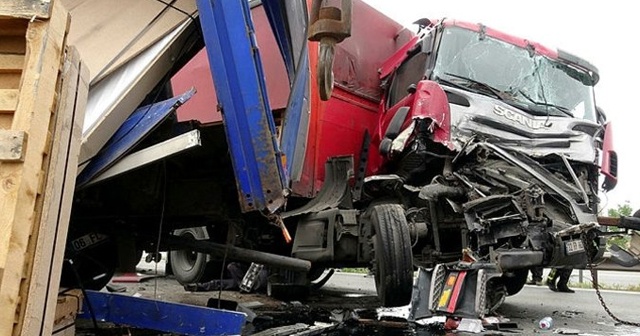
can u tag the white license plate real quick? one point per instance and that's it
(574, 246)
(87, 240)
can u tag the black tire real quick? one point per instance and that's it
(515, 280)
(188, 266)
(393, 265)
(90, 267)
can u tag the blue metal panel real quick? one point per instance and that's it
(283, 17)
(140, 123)
(162, 316)
(276, 13)
(296, 120)
(239, 82)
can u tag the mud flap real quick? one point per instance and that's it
(445, 290)
(334, 191)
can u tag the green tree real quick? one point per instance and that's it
(620, 210)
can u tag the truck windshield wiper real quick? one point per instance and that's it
(562, 109)
(454, 84)
(483, 86)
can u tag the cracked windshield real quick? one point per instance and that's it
(520, 77)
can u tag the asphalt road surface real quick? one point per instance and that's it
(580, 311)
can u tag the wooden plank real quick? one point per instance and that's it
(67, 308)
(10, 81)
(60, 184)
(68, 304)
(10, 63)
(12, 45)
(6, 121)
(29, 9)
(8, 100)
(13, 27)
(20, 182)
(12, 144)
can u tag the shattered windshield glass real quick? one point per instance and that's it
(532, 82)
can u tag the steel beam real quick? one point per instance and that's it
(151, 154)
(239, 254)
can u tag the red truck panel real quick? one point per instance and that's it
(196, 73)
(336, 126)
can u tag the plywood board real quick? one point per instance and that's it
(109, 33)
(21, 182)
(59, 186)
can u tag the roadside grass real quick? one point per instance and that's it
(589, 285)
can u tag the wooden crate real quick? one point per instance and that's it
(43, 92)
(67, 307)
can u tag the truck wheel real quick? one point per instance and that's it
(393, 264)
(514, 281)
(90, 260)
(189, 266)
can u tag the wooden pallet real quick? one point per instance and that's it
(68, 306)
(43, 90)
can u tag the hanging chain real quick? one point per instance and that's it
(587, 241)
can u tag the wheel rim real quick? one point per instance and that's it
(186, 259)
(92, 267)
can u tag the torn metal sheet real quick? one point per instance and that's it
(470, 325)
(516, 130)
(395, 312)
(433, 320)
(113, 99)
(130, 133)
(162, 316)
